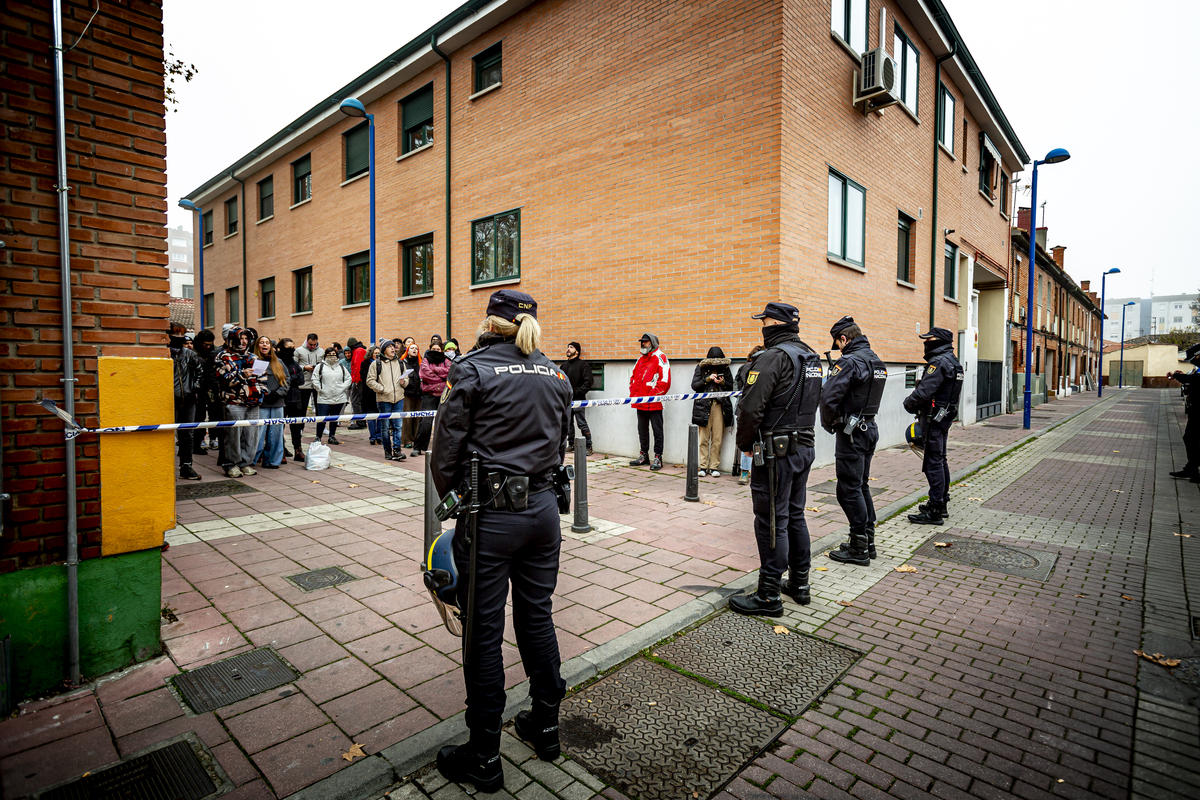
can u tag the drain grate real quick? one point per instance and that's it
(233, 679)
(1004, 558)
(321, 579)
(1188, 671)
(786, 673)
(198, 491)
(655, 734)
(830, 487)
(170, 771)
(1196, 627)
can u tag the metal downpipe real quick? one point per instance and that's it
(446, 58)
(68, 378)
(241, 230)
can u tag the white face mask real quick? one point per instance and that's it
(450, 354)
(645, 350)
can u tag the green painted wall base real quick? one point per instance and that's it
(120, 602)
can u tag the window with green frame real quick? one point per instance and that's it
(210, 310)
(488, 67)
(908, 59)
(496, 247)
(301, 179)
(304, 290)
(207, 222)
(358, 278)
(266, 297)
(266, 197)
(418, 266)
(950, 279)
(231, 216)
(847, 219)
(233, 304)
(416, 112)
(356, 141)
(945, 123)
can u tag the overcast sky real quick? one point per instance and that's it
(1099, 80)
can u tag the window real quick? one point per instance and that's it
(180, 243)
(1003, 192)
(210, 310)
(904, 241)
(179, 257)
(207, 219)
(417, 119)
(189, 291)
(496, 250)
(266, 197)
(908, 59)
(266, 296)
(358, 278)
(945, 123)
(487, 67)
(231, 218)
(304, 287)
(1178, 306)
(950, 283)
(597, 375)
(418, 266)
(988, 159)
(910, 376)
(302, 179)
(849, 21)
(847, 219)
(1178, 319)
(357, 145)
(233, 304)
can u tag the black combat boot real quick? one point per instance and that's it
(797, 587)
(849, 545)
(640, 461)
(931, 514)
(856, 553)
(763, 603)
(945, 508)
(476, 762)
(539, 727)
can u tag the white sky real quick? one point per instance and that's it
(1109, 81)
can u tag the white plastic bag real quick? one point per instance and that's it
(317, 457)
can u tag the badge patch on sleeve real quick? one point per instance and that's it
(836, 369)
(932, 368)
(751, 378)
(445, 392)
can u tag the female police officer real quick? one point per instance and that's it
(511, 405)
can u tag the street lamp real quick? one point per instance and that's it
(1053, 157)
(354, 108)
(1121, 373)
(1100, 365)
(190, 206)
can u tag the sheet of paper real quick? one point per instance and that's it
(260, 366)
(407, 372)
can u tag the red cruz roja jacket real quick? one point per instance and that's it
(651, 376)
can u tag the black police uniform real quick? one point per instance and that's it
(780, 404)
(854, 389)
(1191, 407)
(514, 410)
(936, 395)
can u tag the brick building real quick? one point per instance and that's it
(665, 168)
(115, 158)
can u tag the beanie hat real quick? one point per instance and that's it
(451, 345)
(578, 349)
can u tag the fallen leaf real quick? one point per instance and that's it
(822, 569)
(1118, 491)
(781, 629)
(316, 481)
(1060, 780)
(906, 568)
(635, 491)
(695, 794)
(708, 502)
(353, 486)
(652, 703)
(1184, 535)
(814, 509)
(846, 603)
(1158, 658)
(976, 499)
(1116, 451)
(355, 751)
(339, 465)
(1126, 597)
(1081, 595)
(942, 544)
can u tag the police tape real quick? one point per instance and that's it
(73, 432)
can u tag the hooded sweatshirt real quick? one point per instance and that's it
(579, 373)
(651, 376)
(236, 388)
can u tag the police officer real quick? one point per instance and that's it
(510, 404)
(935, 402)
(1191, 407)
(775, 420)
(850, 400)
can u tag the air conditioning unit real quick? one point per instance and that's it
(1021, 313)
(878, 84)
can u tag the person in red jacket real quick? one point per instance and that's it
(651, 376)
(358, 352)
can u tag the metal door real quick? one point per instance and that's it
(1133, 372)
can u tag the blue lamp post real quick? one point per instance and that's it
(1099, 377)
(190, 206)
(1053, 157)
(1121, 373)
(354, 108)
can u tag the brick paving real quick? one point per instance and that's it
(378, 669)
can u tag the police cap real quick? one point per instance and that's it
(939, 333)
(780, 311)
(839, 326)
(1192, 352)
(508, 303)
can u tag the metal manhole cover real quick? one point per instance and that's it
(1188, 671)
(830, 487)
(786, 673)
(988, 555)
(198, 491)
(233, 679)
(172, 770)
(657, 735)
(321, 578)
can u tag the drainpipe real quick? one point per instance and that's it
(68, 378)
(244, 216)
(434, 47)
(936, 231)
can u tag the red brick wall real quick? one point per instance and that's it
(116, 160)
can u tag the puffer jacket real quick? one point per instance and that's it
(332, 383)
(433, 373)
(715, 363)
(385, 380)
(651, 376)
(235, 387)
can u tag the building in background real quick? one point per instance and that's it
(1153, 316)
(179, 249)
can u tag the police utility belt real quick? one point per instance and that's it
(779, 444)
(507, 492)
(852, 421)
(941, 412)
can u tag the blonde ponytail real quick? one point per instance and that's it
(526, 329)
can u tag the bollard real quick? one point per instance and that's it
(433, 528)
(581, 524)
(692, 490)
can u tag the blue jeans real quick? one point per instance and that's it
(270, 443)
(747, 462)
(373, 428)
(390, 426)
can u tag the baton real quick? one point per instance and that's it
(473, 549)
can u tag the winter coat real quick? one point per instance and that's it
(236, 389)
(189, 370)
(295, 380)
(651, 376)
(579, 373)
(385, 381)
(332, 384)
(309, 358)
(369, 405)
(414, 386)
(356, 358)
(714, 364)
(274, 392)
(433, 375)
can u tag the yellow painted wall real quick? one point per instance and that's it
(137, 470)
(1157, 359)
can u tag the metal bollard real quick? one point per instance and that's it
(581, 524)
(433, 528)
(691, 492)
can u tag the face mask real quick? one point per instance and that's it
(450, 354)
(645, 351)
(177, 342)
(287, 352)
(331, 360)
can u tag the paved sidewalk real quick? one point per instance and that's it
(377, 668)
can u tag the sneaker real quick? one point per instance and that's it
(571, 448)
(374, 441)
(333, 440)
(589, 448)
(656, 464)
(744, 478)
(640, 461)
(186, 472)
(299, 456)
(233, 472)
(287, 453)
(249, 471)
(398, 456)
(415, 453)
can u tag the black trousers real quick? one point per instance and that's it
(521, 547)
(853, 454)
(294, 410)
(184, 435)
(1191, 439)
(429, 402)
(792, 549)
(935, 466)
(646, 421)
(580, 421)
